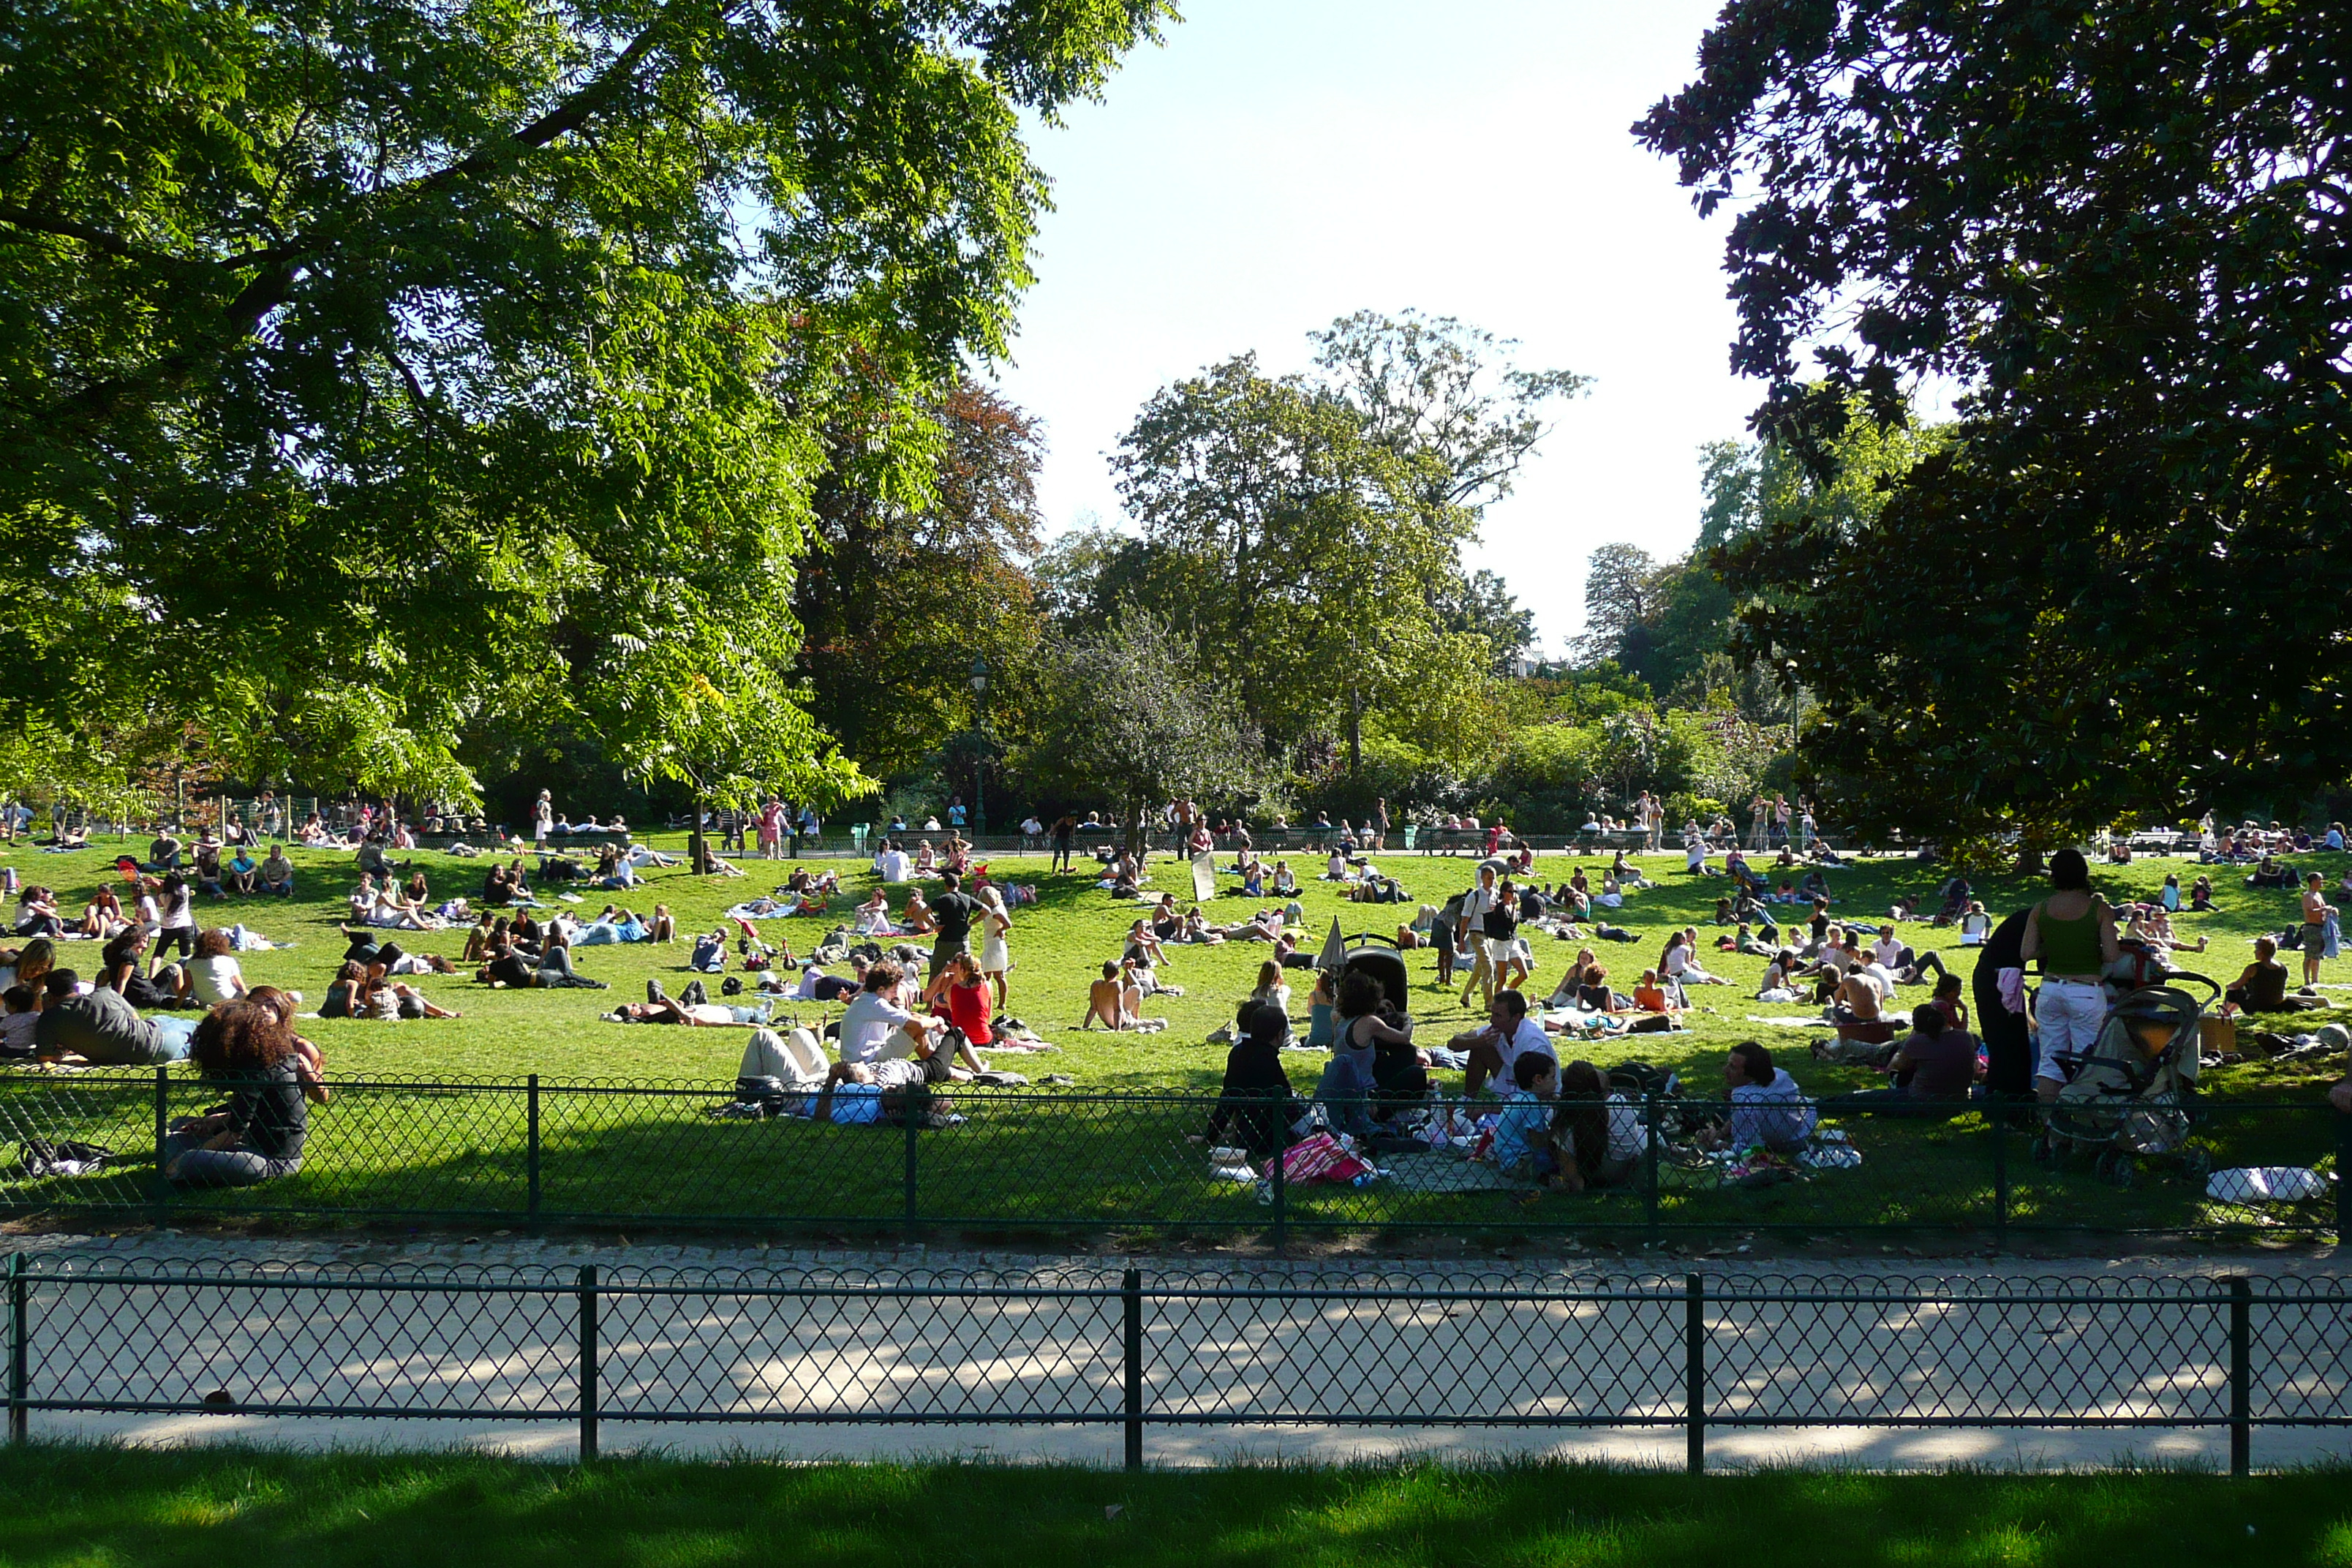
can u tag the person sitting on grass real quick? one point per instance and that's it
(277, 873)
(1597, 1136)
(248, 1049)
(1495, 1050)
(1651, 995)
(1114, 1001)
(1524, 1147)
(1768, 1109)
(1255, 1104)
(2261, 987)
(1933, 1068)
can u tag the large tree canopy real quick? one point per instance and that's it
(371, 371)
(2124, 227)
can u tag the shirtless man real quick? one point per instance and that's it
(1115, 1000)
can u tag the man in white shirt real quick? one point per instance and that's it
(1495, 1050)
(874, 1014)
(1473, 927)
(1889, 949)
(894, 865)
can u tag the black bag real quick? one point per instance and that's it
(1500, 924)
(39, 1157)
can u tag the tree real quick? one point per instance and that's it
(1122, 714)
(416, 368)
(1478, 605)
(1287, 545)
(1620, 603)
(2120, 229)
(1443, 397)
(900, 593)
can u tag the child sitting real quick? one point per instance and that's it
(1524, 1148)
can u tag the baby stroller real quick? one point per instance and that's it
(2129, 1100)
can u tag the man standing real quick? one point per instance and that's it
(955, 909)
(1472, 924)
(1654, 822)
(1759, 818)
(2316, 910)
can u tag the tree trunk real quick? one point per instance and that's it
(695, 841)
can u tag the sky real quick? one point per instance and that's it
(1278, 164)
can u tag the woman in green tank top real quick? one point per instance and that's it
(2072, 933)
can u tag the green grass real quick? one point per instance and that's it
(76, 1507)
(1077, 1162)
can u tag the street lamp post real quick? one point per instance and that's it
(979, 752)
(1796, 704)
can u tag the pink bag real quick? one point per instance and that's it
(1321, 1158)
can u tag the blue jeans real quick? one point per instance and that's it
(172, 1038)
(191, 1167)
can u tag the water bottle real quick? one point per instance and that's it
(1364, 1178)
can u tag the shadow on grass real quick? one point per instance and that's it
(82, 1505)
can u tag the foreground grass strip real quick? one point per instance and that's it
(81, 1505)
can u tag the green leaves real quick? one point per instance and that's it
(421, 370)
(2107, 223)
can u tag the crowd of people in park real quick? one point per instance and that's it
(919, 963)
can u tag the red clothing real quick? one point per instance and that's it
(969, 1009)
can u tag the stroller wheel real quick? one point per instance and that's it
(2117, 1168)
(2194, 1163)
(2043, 1154)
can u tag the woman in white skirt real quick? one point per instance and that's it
(995, 953)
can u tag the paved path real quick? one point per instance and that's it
(1428, 1363)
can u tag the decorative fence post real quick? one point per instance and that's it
(1130, 1292)
(2242, 1375)
(20, 1360)
(530, 1146)
(163, 1183)
(912, 1219)
(1695, 1374)
(1997, 1118)
(1650, 1181)
(589, 1393)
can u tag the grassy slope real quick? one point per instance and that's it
(80, 1507)
(1058, 945)
(1925, 1173)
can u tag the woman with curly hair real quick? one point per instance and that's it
(246, 1047)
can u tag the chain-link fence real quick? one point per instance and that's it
(971, 1157)
(1134, 1350)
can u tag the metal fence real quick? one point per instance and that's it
(1136, 1351)
(546, 1150)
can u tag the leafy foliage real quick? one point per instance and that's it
(2121, 228)
(1124, 714)
(416, 368)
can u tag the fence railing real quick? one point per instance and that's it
(540, 1150)
(1135, 1351)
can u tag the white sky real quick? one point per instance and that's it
(1282, 163)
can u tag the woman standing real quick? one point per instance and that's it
(2072, 933)
(995, 952)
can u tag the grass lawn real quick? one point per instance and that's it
(82, 1508)
(606, 1156)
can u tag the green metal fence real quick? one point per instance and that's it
(1130, 1350)
(690, 1154)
